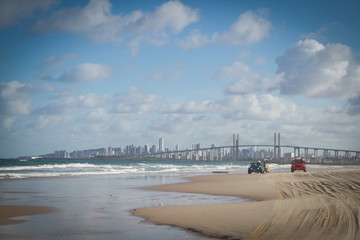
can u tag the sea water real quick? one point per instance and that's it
(15, 168)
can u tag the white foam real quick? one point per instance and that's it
(135, 169)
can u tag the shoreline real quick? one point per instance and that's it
(319, 204)
(92, 207)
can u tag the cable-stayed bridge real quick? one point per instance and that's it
(231, 149)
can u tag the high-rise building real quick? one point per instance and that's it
(153, 149)
(110, 151)
(146, 148)
(161, 145)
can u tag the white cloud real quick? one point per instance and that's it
(14, 100)
(195, 40)
(249, 28)
(312, 69)
(245, 80)
(308, 68)
(264, 107)
(133, 101)
(158, 40)
(71, 105)
(96, 21)
(161, 75)
(12, 12)
(192, 107)
(86, 72)
(172, 14)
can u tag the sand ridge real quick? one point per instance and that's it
(315, 205)
(312, 205)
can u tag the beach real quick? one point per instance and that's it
(182, 200)
(90, 207)
(322, 204)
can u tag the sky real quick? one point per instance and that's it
(90, 74)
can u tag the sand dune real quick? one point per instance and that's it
(312, 205)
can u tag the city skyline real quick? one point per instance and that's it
(83, 74)
(235, 151)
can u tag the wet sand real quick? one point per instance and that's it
(8, 212)
(312, 205)
(89, 207)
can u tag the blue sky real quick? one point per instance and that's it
(88, 74)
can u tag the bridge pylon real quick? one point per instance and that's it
(235, 148)
(277, 148)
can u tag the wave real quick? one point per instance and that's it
(129, 168)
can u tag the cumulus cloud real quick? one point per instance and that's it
(15, 100)
(133, 101)
(158, 40)
(195, 40)
(264, 107)
(86, 72)
(313, 69)
(12, 12)
(96, 21)
(248, 28)
(309, 68)
(192, 107)
(73, 104)
(245, 80)
(261, 107)
(215, 120)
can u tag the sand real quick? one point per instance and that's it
(311, 205)
(8, 212)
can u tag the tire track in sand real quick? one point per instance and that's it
(314, 205)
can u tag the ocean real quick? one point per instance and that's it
(15, 168)
(10, 169)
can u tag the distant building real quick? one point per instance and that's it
(196, 146)
(289, 155)
(110, 151)
(61, 154)
(146, 148)
(161, 145)
(153, 149)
